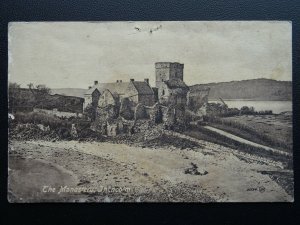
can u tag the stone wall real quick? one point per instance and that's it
(140, 112)
(163, 114)
(131, 93)
(167, 70)
(126, 109)
(87, 100)
(176, 70)
(148, 100)
(174, 96)
(112, 129)
(180, 115)
(148, 117)
(151, 113)
(164, 111)
(162, 73)
(57, 113)
(155, 114)
(106, 99)
(197, 101)
(163, 94)
(108, 112)
(95, 97)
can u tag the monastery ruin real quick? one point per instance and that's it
(116, 107)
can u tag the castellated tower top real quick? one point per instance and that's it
(168, 65)
(168, 70)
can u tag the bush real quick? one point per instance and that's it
(42, 118)
(25, 126)
(81, 123)
(31, 132)
(88, 134)
(58, 126)
(216, 109)
(90, 112)
(64, 133)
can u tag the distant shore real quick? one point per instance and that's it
(276, 106)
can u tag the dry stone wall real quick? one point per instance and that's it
(58, 113)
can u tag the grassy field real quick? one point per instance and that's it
(210, 136)
(271, 130)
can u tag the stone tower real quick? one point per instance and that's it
(166, 71)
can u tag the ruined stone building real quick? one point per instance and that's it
(170, 101)
(102, 94)
(169, 81)
(197, 100)
(169, 89)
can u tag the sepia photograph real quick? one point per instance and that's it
(150, 111)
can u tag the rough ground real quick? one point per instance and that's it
(202, 172)
(277, 127)
(244, 141)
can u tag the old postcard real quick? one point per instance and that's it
(157, 111)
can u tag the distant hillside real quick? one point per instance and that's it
(77, 92)
(256, 89)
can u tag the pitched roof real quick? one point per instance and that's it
(115, 88)
(114, 95)
(143, 88)
(176, 83)
(120, 88)
(90, 91)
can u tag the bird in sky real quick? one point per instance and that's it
(137, 29)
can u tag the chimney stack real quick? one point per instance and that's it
(117, 81)
(146, 80)
(120, 81)
(131, 80)
(95, 82)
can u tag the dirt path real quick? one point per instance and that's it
(244, 141)
(157, 174)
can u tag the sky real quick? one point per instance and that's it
(74, 54)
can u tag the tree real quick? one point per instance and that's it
(14, 95)
(43, 89)
(40, 92)
(12, 85)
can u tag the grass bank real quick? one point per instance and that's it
(202, 133)
(258, 129)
